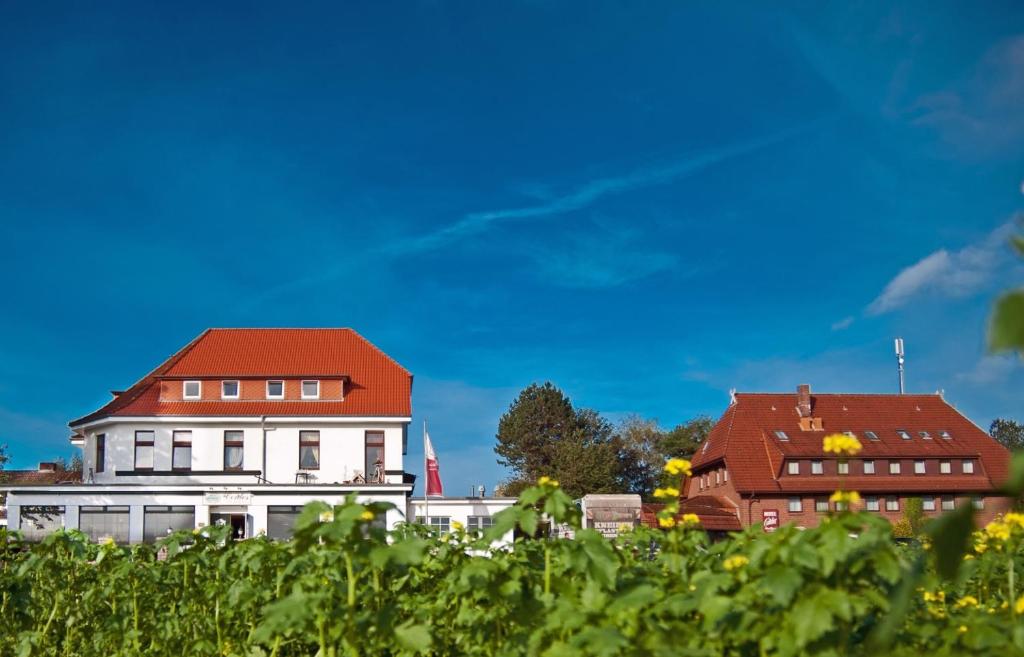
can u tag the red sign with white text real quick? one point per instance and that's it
(770, 520)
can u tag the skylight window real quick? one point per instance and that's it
(945, 435)
(781, 435)
(924, 435)
(903, 434)
(871, 436)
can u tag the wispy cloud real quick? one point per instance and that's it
(947, 273)
(842, 324)
(589, 193)
(990, 369)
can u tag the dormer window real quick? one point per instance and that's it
(311, 390)
(781, 435)
(924, 435)
(229, 389)
(191, 389)
(871, 435)
(903, 434)
(816, 468)
(794, 467)
(275, 389)
(945, 467)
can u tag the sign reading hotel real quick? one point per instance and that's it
(770, 520)
(227, 499)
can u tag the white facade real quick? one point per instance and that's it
(119, 498)
(472, 512)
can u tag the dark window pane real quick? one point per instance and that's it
(182, 459)
(309, 457)
(232, 457)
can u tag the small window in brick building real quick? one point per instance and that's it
(945, 467)
(894, 467)
(843, 468)
(918, 467)
(928, 503)
(871, 435)
(871, 503)
(968, 466)
(869, 467)
(979, 502)
(794, 467)
(816, 467)
(892, 504)
(796, 505)
(821, 505)
(948, 503)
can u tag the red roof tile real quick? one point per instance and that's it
(377, 385)
(39, 477)
(715, 513)
(744, 438)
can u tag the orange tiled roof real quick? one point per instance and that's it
(39, 477)
(376, 386)
(744, 438)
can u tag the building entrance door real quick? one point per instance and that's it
(234, 520)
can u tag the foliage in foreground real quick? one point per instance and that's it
(340, 588)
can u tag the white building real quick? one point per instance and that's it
(241, 426)
(475, 513)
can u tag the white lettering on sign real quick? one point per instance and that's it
(610, 528)
(238, 499)
(770, 520)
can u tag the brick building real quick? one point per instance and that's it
(765, 461)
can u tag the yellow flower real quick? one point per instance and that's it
(1018, 606)
(625, 527)
(998, 530)
(968, 557)
(457, 526)
(667, 522)
(547, 481)
(666, 492)
(109, 541)
(678, 467)
(1016, 519)
(967, 601)
(690, 519)
(842, 497)
(841, 444)
(368, 516)
(963, 628)
(327, 516)
(734, 563)
(938, 596)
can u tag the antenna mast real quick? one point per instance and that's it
(899, 360)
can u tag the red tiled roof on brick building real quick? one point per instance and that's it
(374, 384)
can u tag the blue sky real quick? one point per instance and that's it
(645, 204)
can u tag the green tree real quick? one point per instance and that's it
(542, 434)
(912, 522)
(1006, 328)
(1009, 433)
(683, 441)
(640, 454)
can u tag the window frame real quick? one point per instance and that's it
(176, 443)
(306, 441)
(821, 505)
(151, 444)
(240, 443)
(238, 389)
(945, 435)
(951, 500)
(927, 502)
(978, 502)
(100, 453)
(367, 444)
(843, 467)
(782, 435)
(967, 466)
(904, 434)
(479, 523)
(302, 389)
(798, 502)
(270, 396)
(872, 436)
(920, 467)
(872, 503)
(945, 466)
(895, 467)
(184, 389)
(793, 467)
(865, 464)
(892, 504)
(817, 467)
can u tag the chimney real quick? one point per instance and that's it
(47, 466)
(803, 400)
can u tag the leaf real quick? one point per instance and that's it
(1014, 485)
(782, 583)
(811, 619)
(414, 637)
(1006, 329)
(1018, 243)
(950, 534)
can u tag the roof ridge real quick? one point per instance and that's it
(843, 394)
(379, 350)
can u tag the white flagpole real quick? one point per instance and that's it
(426, 503)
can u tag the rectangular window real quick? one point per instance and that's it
(816, 468)
(948, 503)
(233, 450)
(843, 467)
(894, 467)
(101, 452)
(871, 435)
(143, 450)
(181, 457)
(718, 477)
(159, 521)
(869, 467)
(892, 504)
(311, 390)
(796, 505)
(918, 467)
(475, 523)
(281, 521)
(375, 457)
(309, 450)
(102, 522)
(275, 389)
(903, 434)
(191, 389)
(440, 524)
(794, 467)
(968, 466)
(37, 522)
(821, 505)
(781, 435)
(702, 483)
(924, 435)
(871, 503)
(229, 389)
(725, 475)
(927, 503)
(945, 467)
(979, 502)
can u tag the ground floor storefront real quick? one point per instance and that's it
(135, 514)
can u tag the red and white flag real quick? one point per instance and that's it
(433, 473)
